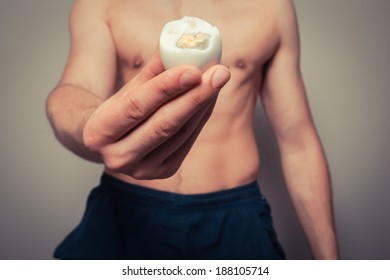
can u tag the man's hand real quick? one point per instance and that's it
(147, 128)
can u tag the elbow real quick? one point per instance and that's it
(303, 137)
(51, 105)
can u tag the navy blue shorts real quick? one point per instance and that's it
(125, 221)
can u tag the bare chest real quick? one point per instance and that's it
(248, 30)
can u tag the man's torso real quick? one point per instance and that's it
(225, 154)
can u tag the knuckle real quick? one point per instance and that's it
(165, 129)
(96, 140)
(114, 164)
(165, 90)
(122, 162)
(136, 110)
(91, 140)
(165, 86)
(198, 100)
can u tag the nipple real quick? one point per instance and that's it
(240, 64)
(137, 62)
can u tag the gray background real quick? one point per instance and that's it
(346, 66)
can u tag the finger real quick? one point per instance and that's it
(173, 162)
(141, 165)
(140, 104)
(169, 119)
(191, 129)
(172, 116)
(131, 106)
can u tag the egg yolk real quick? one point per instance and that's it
(198, 41)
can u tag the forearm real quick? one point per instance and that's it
(68, 108)
(308, 181)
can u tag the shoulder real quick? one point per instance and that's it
(284, 7)
(286, 18)
(91, 61)
(286, 25)
(84, 11)
(282, 15)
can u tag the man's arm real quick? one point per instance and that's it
(88, 77)
(303, 160)
(144, 130)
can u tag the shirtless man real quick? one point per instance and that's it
(164, 134)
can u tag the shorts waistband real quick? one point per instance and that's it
(147, 196)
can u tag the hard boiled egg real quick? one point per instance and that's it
(190, 40)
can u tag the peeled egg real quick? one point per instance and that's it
(190, 40)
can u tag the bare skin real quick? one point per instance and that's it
(185, 131)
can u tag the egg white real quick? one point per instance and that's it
(172, 56)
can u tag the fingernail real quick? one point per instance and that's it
(220, 78)
(189, 78)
